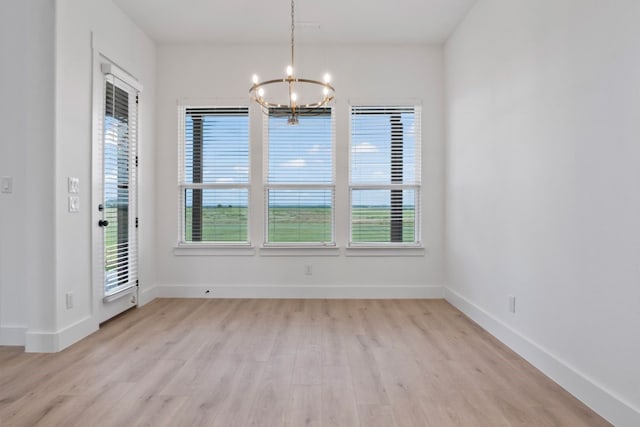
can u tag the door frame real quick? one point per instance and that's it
(103, 310)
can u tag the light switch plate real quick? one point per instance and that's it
(74, 204)
(6, 184)
(74, 185)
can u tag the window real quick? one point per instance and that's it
(385, 175)
(299, 179)
(214, 178)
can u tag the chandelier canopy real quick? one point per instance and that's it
(296, 94)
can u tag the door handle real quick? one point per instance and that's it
(103, 223)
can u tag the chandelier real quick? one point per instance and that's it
(295, 94)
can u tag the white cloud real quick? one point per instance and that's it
(364, 147)
(296, 163)
(315, 149)
(223, 180)
(241, 169)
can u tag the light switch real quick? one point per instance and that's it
(74, 185)
(6, 184)
(74, 204)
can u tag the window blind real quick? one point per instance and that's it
(215, 174)
(299, 175)
(385, 175)
(119, 149)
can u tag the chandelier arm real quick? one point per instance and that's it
(316, 82)
(317, 104)
(267, 82)
(267, 104)
(285, 80)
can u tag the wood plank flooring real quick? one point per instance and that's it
(190, 362)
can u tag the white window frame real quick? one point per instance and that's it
(208, 247)
(272, 246)
(415, 246)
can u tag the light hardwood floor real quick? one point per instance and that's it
(284, 363)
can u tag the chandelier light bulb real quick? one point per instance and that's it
(327, 78)
(261, 92)
(289, 70)
(294, 96)
(325, 91)
(255, 79)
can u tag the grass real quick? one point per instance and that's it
(220, 224)
(289, 224)
(373, 225)
(299, 224)
(111, 232)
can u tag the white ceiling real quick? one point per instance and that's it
(268, 21)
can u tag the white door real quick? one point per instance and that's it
(115, 214)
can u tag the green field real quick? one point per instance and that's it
(111, 232)
(373, 225)
(289, 224)
(298, 224)
(220, 224)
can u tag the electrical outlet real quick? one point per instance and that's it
(512, 304)
(307, 270)
(69, 300)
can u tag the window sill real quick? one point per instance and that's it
(385, 251)
(190, 249)
(293, 250)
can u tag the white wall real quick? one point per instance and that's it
(373, 73)
(45, 252)
(26, 154)
(82, 24)
(542, 185)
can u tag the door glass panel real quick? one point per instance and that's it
(116, 180)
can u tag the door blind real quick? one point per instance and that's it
(120, 175)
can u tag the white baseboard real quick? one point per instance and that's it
(12, 335)
(40, 342)
(602, 401)
(293, 291)
(51, 342)
(146, 295)
(74, 333)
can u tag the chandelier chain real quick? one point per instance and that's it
(292, 33)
